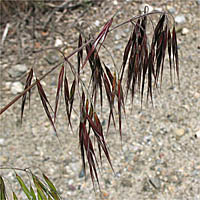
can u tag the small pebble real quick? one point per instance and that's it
(148, 139)
(174, 179)
(2, 140)
(197, 134)
(158, 9)
(72, 187)
(3, 159)
(8, 85)
(16, 87)
(115, 2)
(126, 30)
(17, 70)
(58, 42)
(155, 182)
(81, 173)
(197, 95)
(179, 132)
(171, 188)
(104, 194)
(118, 46)
(97, 23)
(107, 181)
(126, 182)
(74, 166)
(180, 19)
(52, 57)
(171, 9)
(184, 31)
(117, 36)
(71, 181)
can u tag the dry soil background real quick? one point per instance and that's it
(160, 154)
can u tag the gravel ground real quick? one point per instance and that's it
(159, 157)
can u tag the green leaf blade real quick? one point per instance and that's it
(23, 186)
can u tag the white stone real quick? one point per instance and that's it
(7, 85)
(198, 134)
(184, 31)
(97, 23)
(16, 87)
(2, 141)
(197, 95)
(115, 2)
(180, 19)
(71, 181)
(179, 132)
(58, 42)
(158, 9)
(117, 37)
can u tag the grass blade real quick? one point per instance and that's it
(169, 53)
(42, 93)
(175, 52)
(81, 142)
(44, 103)
(91, 111)
(126, 54)
(96, 77)
(32, 193)
(39, 196)
(66, 96)
(150, 72)
(113, 89)
(109, 96)
(91, 157)
(98, 131)
(60, 84)
(158, 30)
(119, 108)
(159, 55)
(23, 187)
(54, 192)
(14, 196)
(109, 74)
(101, 140)
(100, 38)
(50, 184)
(79, 56)
(2, 189)
(164, 46)
(28, 83)
(144, 71)
(71, 96)
(41, 190)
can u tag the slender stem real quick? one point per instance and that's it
(134, 18)
(14, 168)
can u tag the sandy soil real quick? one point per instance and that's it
(160, 155)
